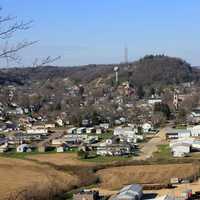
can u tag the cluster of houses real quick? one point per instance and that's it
(123, 142)
(36, 132)
(184, 141)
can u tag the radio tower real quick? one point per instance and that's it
(126, 55)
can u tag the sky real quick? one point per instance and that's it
(97, 31)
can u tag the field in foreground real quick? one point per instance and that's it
(117, 177)
(17, 174)
(60, 159)
(68, 170)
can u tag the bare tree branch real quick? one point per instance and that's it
(10, 53)
(11, 29)
(45, 61)
(9, 25)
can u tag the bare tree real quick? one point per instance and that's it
(9, 26)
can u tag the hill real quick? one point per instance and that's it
(160, 70)
(146, 71)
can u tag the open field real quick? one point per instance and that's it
(60, 159)
(16, 174)
(116, 177)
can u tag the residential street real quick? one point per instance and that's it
(151, 146)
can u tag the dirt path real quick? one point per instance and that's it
(151, 146)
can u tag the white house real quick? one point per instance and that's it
(81, 130)
(130, 192)
(196, 145)
(37, 131)
(4, 148)
(126, 131)
(177, 133)
(49, 125)
(90, 130)
(188, 141)
(153, 101)
(195, 131)
(58, 141)
(72, 130)
(61, 149)
(23, 148)
(104, 125)
(59, 122)
(146, 127)
(165, 197)
(180, 150)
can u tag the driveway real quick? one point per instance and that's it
(151, 146)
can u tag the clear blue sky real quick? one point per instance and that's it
(96, 31)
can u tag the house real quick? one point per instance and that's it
(188, 141)
(75, 139)
(61, 148)
(81, 130)
(125, 131)
(23, 148)
(195, 131)
(42, 148)
(86, 195)
(196, 145)
(91, 139)
(28, 137)
(130, 192)
(72, 130)
(90, 130)
(11, 126)
(181, 150)
(59, 122)
(19, 111)
(105, 125)
(110, 149)
(99, 130)
(49, 125)
(165, 197)
(4, 148)
(36, 131)
(59, 141)
(153, 101)
(146, 127)
(177, 133)
(86, 122)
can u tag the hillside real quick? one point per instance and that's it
(146, 71)
(160, 70)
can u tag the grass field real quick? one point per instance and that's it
(24, 170)
(17, 174)
(60, 159)
(117, 177)
(164, 152)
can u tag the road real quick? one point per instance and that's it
(57, 134)
(151, 146)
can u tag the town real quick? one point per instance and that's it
(99, 100)
(137, 127)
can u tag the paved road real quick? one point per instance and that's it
(151, 146)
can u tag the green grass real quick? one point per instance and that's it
(107, 135)
(13, 154)
(164, 152)
(106, 159)
(181, 126)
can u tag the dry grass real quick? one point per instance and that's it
(117, 177)
(17, 174)
(61, 159)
